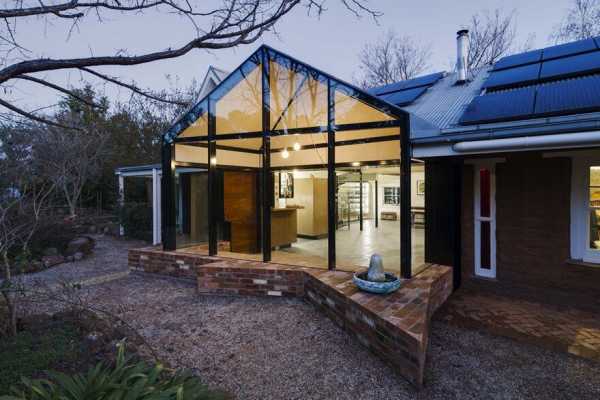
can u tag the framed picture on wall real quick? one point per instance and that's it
(286, 185)
(420, 187)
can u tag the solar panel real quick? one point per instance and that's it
(579, 94)
(513, 76)
(404, 97)
(519, 59)
(507, 105)
(587, 62)
(426, 80)
(568, 49)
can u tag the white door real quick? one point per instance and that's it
(485, 220)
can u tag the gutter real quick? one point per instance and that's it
(581, 139)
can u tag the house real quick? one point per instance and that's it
(502, 182)
(283, 180)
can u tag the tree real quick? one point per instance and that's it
(581, 22)
(223, 24)
(491, 37)
(71, 158)
(391, 58)
(24, 196)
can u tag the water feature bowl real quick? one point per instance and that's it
(391, 284)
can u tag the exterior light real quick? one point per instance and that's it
(213, 161)
(285, 153)
(355, 164)
(297, 146)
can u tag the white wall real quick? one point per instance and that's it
(394, 180)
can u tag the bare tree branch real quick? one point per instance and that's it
(581, 22)
(391, 59)
(491, 37)
(133, 88)
(34, 117)
(59, 89)
(228, 23)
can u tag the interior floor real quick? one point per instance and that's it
(353, 248)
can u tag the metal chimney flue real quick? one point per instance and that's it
(462, 51)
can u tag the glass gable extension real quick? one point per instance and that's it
(292, 161)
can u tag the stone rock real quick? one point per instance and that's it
(81, 244)
(78, 256)
(50, 251)
(49, 261)
(375, 272)
(92, 229)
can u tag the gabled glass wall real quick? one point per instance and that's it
(279, 134)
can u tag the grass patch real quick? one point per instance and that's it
(53, 345)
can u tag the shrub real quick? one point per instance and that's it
(123, 381)
(136, 219)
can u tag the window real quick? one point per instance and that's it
(585, 210)
(391, 195)
(594, 207)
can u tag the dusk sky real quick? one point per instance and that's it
(331, 42)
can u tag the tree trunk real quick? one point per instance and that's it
(10, 300)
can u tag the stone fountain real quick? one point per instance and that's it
(375, 279)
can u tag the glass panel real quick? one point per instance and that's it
(380, 232)
(485, 252)
(241, 220)
(594, 238)
(349, 110)
(297, 99)
(192, 210)
(199, 127)
(192, 198)
(306, 150)
(239, 153)
(299, 224)
(484, 192)
(192, 153)
(417, 215)
(239, 109)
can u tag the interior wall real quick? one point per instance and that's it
(394, 181)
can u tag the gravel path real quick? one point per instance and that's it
(109, 258)
(263, 348)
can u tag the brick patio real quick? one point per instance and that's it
(395, 327)
(562, 328)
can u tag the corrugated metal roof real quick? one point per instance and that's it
(444, 103)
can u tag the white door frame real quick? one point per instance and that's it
(477, 219)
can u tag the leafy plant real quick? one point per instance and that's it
(123, 381)
(136, 219)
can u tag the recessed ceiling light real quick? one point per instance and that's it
(285, 153)
(297, 146)
(355, 164)
(213, 161)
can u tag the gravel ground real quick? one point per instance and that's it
(109, 257)
(263, 348)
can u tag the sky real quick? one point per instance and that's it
(330, 42)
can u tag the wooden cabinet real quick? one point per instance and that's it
(311, 195)
(240, 199)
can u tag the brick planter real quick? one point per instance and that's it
(395, 327)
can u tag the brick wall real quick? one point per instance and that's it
(395, 327)
(222, 279)
(397, 347)
(532, 229)
(169, 263)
